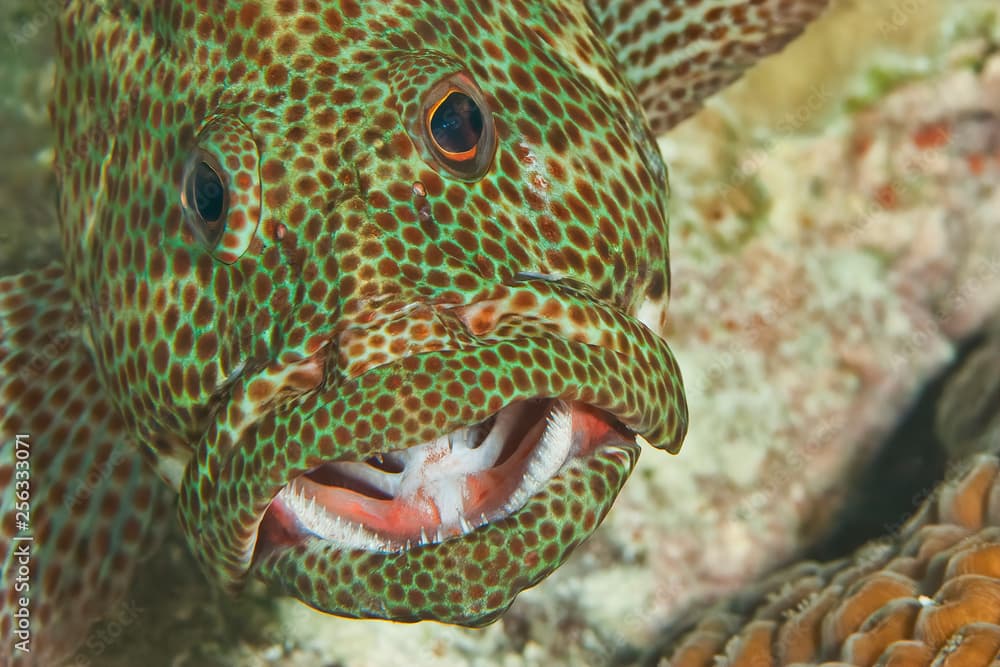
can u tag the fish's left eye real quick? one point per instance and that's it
(220, 189)
(458, 128)
(204, 196)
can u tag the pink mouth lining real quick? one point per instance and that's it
(439, 489)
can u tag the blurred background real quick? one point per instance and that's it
(836, 263)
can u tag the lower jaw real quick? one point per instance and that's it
(468, 580)
(441, 490)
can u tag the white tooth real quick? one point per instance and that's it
(378, 458)
(549, 456)
(464, 523)
(439, 536)
(492, 446)
(318, 521)
(483, 518)
(555, 444)
(423, 536)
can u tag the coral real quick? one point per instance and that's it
(930, 593)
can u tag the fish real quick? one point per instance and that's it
(369, 294)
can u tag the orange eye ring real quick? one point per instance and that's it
(455, 121)
(458, 128)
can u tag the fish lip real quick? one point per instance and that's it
(540, 439)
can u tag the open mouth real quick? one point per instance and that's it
(440, 489)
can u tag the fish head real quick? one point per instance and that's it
(374, 280)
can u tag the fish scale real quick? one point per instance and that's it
(245, 186)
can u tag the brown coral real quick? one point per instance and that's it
(931, 595)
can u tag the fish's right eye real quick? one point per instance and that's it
(458, 128)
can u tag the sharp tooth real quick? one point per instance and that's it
(549, 456)
(473, 449)
(492, 445)
(315, 518)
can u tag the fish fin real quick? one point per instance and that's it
(93, 509)
(678, 53)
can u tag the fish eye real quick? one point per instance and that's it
(220, 188)
(204, 198)
(458, 128)
(456, 124)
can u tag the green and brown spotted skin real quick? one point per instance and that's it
(347, 228)
(95, 506)
(360, 293)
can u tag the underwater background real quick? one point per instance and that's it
(836, 263)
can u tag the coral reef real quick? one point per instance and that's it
(822, 278)
(931, 594)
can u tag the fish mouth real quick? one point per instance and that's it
(365, 495)
(442, 489)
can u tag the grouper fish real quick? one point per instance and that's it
(367, 293)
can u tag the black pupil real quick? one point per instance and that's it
(457, 124)
(209, 194)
